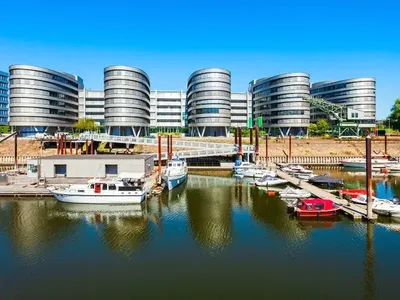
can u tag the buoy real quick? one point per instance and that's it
(271, 193)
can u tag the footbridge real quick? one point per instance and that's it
(190, 149)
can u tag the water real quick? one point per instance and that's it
(209, 239)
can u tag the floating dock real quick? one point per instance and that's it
(352, 210)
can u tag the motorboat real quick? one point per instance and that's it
(241, 166)
(257, 173)
(270, 181)
(296, 169)
(125, 189)
(290, 192)
(314, 207)
(176, 173)
(325, 180)
(377, 161)
(385, 207)
(304, 176)
(353, 193)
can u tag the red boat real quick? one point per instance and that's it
(353, 193)
(314, 207)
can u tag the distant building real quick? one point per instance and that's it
(356, 93)
(91, 105)
(209, 102)
(279, 102)
(42, 100)
(127, 101)
(241, 109)
(3, 98)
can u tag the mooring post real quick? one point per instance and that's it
(87, 147)
(266, 149)
(240, 144)
(70, 147)
(386, 151)
(369, 176)
(76, 148)
(16, 150)
(251, 136)
(65, 145)
(290, 148)
(91, 147)
(236, 136)
(171, 149)
(58, 143)
(159, 157)
(257, 143)
(61, 144)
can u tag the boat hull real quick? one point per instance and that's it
(98, 199)
(317, 213)
(271, 182)
(173, 182)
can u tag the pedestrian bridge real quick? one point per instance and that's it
(197, 149)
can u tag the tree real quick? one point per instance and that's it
(86, 124)
(322, 127)
(5, 129)
(395, 115)
(313, 129)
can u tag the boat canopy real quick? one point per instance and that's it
(325, 179)
(315, 204)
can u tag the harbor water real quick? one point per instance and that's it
(211, 238)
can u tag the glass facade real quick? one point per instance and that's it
(279, 101)
(3, 98)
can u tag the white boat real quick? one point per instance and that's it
(379, 161)
(394, 168)
(176, 173)
(257, 173)
(305, 176)
(296, 169)
(270, 181)
(126, 189)
(383, 207)
(290, 192)
(240, 166)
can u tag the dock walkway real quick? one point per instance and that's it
(352, 210)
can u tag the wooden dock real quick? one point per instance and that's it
(352, 210)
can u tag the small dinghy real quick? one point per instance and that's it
(158, 190)
(314, 207)
(290, 192)
(270, 181)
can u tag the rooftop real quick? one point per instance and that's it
(98, 157)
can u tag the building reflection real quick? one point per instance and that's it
(31, 230)
(209, 213)
(123, 228)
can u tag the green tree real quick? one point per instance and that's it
(313, 129)
(395, 115)
(5, 129)
(322, 127)
(86, 124)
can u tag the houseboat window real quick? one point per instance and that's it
(60, 170)
(104, 186)
(112, 187)
(81, 191)
(319, 206)
(169, 165)
(127, 188)
(111, 170)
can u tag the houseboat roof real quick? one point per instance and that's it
(97, 156)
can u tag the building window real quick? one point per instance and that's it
(111, 170)
(60, 170)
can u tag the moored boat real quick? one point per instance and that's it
(353, 193)
(377, 161)
(270, 181)
(257, 173)
(176, 173)
(126, 189)
(325, 180)
(314, 207)
(290, 192)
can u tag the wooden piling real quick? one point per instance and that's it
(251, 136)
(236, 136)
(87, 147)
(386, 151)
(58, 143)
(170, 147)
(290, 148)
(76, 148)
(266, 148)
(70, 147)
(91, 147)
(257, 133)
(240, 144)
(16, 151)
(368, 176)
(159, 157)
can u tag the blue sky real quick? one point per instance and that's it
(171, 39)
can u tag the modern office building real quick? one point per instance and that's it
(3, 98)
(167, 111)
(209, 102)
(127, 101)
(356, 93)
(241, 109)
(279, 102)
(91, 105)
(42, 100)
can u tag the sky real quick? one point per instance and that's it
(330, 40)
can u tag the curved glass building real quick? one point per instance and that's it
(279, 102)
(209, 102)
(127, 101)
(356, 93)
(42, 100)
